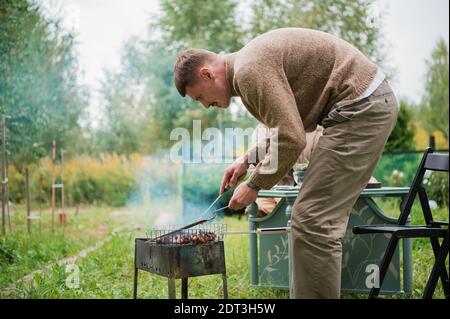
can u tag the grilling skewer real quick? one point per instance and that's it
(212, 204)
(193, 224)
(220, 209)
(183, 228)
(261, 231)
(226, 189)
(209, 219)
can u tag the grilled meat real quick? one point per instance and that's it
(184, 238)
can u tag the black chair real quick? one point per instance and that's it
(433, 229)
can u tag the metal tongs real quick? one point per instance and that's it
(184, 227)
(201, 221)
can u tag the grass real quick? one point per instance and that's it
(422, 253)
(22, 252)
(108, 272)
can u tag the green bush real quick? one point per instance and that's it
(201, 182)
(397, 179)
(7, 252)
(200, 187)
(157, 179)
(397, 169)
(109, 180)
(437, 188)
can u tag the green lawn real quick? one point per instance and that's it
(422, 257)
(21, 252)
(108, 272)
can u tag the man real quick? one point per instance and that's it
(292, 80)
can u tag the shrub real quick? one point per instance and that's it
(437, 188)
(396, 179)
(157, 178)
(201, 182)
(109, 180)
(405, 163)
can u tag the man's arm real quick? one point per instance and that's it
(257, 152)
(239, 168)
(268, 94)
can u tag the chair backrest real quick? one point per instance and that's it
(432, 162)
(436, 162)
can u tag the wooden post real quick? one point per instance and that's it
(432, 142)
(40, 216)
(27, 198)
(3, 176)
(63, 213)
(53, 185)
(8, 208)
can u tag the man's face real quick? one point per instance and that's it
(210, 89)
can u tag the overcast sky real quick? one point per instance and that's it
(411, 29)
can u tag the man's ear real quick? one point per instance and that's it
(206, 73)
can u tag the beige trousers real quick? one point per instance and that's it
(340, 167)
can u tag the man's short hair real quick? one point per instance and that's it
(188, 62)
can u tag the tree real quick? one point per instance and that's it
(195, 24)
(352, 20)
(39, 93)
(210, 25)
(120, 129)
(435, 105)
(130, 122)
(402, 136)
(148, 65)
(222, 26)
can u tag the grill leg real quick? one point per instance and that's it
(184, 288)
(225, 285)
(135, 283)
(171, 288)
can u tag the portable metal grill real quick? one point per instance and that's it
(180, 254)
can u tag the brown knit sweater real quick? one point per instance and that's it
(289, 79)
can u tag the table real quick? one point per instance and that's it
(270, 255)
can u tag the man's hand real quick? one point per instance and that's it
(232, 174)
(242, 196)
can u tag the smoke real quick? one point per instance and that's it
(177, 186)
(156, 198)
(169, 193)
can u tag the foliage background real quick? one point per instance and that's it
(42, 99)
(123, 159)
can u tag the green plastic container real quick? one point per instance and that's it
(270, 254)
